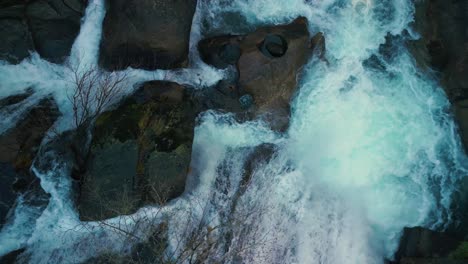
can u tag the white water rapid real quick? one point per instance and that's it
(370, 150)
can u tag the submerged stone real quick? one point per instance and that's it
(246, 101)
(273, 46)
(230, 53)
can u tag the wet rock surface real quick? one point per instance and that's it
(421, 245)
(268, 62)
(443, 46)
(18, 148)
(46, 26)
(147, 34)
(140, 152)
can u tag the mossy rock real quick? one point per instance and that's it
(461, 252)
(141, 147)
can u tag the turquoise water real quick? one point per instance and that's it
(370, 150)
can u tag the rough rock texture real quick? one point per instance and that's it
(147, 34)
(18, 147)
(46, 26)
(268, 63)
(419, 242)
(420, 245)
(140, 151)
(444, 47)
(16, 40)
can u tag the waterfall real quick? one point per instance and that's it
(372, 147)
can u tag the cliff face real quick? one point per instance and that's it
(443, 46)
(442, 49)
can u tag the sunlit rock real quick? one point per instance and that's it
(269, 62)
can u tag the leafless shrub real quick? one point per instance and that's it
(196, 234)
(94, 90)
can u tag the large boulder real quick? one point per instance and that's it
(418, 242)
(146, 34)
(46, 26)
(16, 40)
(140, 152)
(269, 62)
(419, 245)
(14, 32)
(54, 25)
(18, 148)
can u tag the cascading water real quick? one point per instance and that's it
(371, 147)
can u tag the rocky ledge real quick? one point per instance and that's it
(443, 46)
(48, 27)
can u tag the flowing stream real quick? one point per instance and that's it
(372, 147)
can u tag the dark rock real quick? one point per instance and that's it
(461, 113)
(419, 242)
(444, 47)
(16, 40)
(213, 50)
(271, 58)
(273, 46)
(147, 34)
(18, 148)
(223, 97)
(432, 261)
(14, 99)
(140, 152)
(230, 53)
(54, 26)
(46, 26)
(246, 101)
(7, 193)
(258, 158)
(11, 258)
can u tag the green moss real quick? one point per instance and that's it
(461, 252)
(122, 123)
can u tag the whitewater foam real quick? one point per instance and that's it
(370, 150)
